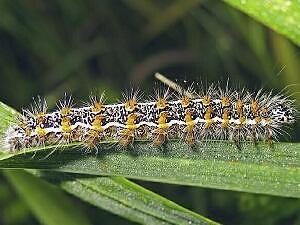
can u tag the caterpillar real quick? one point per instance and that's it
(210, 114)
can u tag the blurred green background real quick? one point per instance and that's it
(51, 47)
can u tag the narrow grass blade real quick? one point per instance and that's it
(124, 198)
(168, 17)
(48, 203)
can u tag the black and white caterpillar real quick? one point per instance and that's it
(214, 114)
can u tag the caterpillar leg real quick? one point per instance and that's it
(190, 137)
(254, 137)
(126, 138)
(235, 139)
(269, 137)
(237, 143)
(92, 139)
(159, 137)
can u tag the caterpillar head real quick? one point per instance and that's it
(283, 114)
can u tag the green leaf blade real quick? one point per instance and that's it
(280, 15)
(124, 198)
(48, 203)
(259, 169)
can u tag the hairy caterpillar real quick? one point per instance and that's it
(210, 114)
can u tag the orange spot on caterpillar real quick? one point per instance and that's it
(40, 117)
(40, 131)
(94, 135)
(225, 117)
(254, 107)
(185, 101)
(131, 121)
(190, 123)
(23, 124)
(97, 107)
(27, 131)
(161, 132)
(97, 123)
(207, 117)
(239, 107)
(130, 105)
(161, 103)
(263, 111)
(190, 138)
(242, 120)
(127, 135)
(206, 100)
(225, 101)
(162, 120)
(257, 119)
(268, 120)
(65, 111)
(66, 125)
